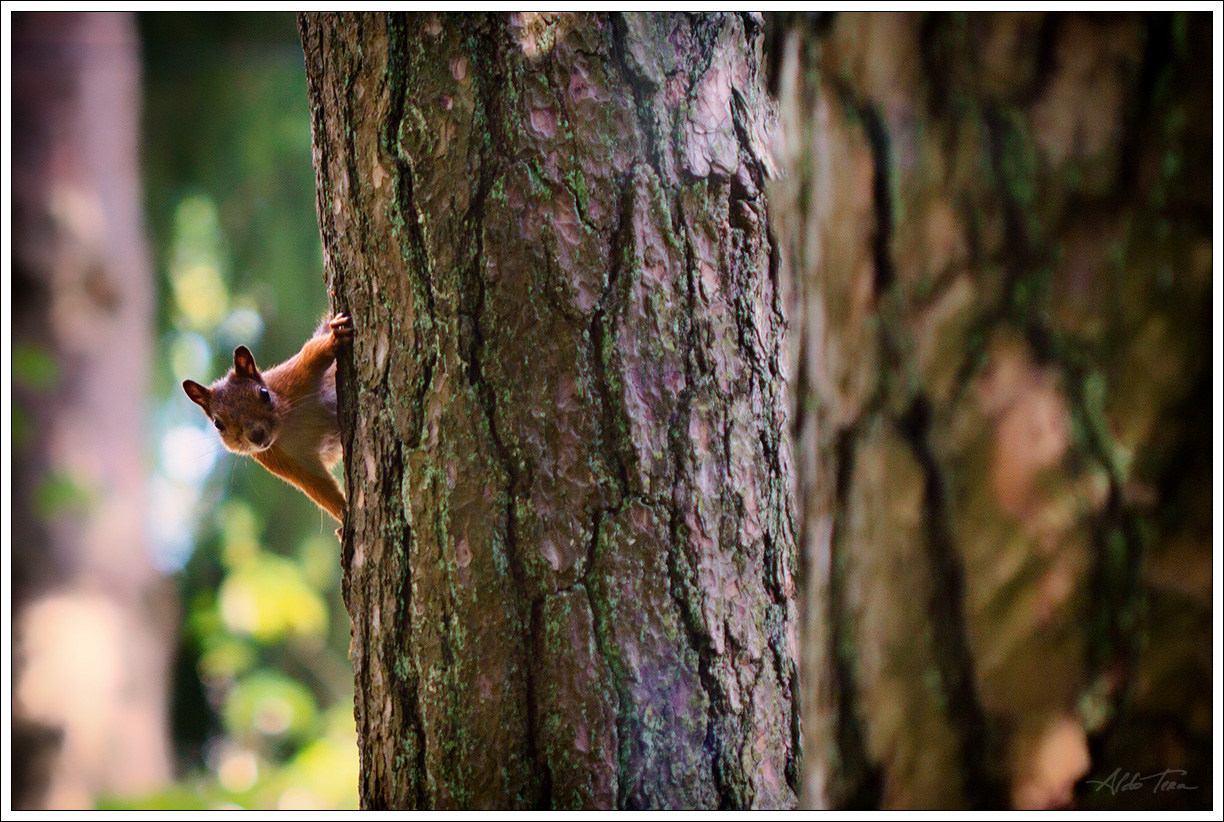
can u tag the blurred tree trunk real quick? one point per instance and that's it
(93, 621)
(568, 555)
(996, 237)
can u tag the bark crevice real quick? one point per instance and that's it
(858, 782)
(946, 607)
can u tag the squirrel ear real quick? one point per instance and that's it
(198, 394)
(244, 363)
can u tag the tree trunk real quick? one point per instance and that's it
(996, 239)
(93, 620)
(568, 551)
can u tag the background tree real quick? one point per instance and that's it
(93, 620)
(206, 116)
(568, 554)
(996, 232)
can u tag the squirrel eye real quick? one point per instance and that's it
(220, 426)
(264, 395)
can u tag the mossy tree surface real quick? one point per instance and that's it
(568, 553)
(995, 233)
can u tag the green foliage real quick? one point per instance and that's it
(59, 494)
(262, 708)
(268, 598)
(35, 368)
(21, 424)
(267, 704)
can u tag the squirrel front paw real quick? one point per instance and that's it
(341, 328)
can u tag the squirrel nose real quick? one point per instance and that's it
(257, 436)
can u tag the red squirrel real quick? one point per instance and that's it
(285, 417)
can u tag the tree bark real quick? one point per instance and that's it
(568, 551)
(995, 234)
(93, 620)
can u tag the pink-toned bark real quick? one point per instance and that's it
(569, 560)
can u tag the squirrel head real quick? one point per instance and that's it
(240, 405)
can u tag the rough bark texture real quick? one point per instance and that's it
(996, 239)
(93, 621)
(568, 554)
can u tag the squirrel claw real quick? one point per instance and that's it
(342, 326)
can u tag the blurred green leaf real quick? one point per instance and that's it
(203, 620)
(240, 527)
(179, 796)
(269, 704)
(60, 494)
(227, 658)
(196, 264)
(35, 368)
(21, 425)
(268, 598)
(323, 774)
(319, 558)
